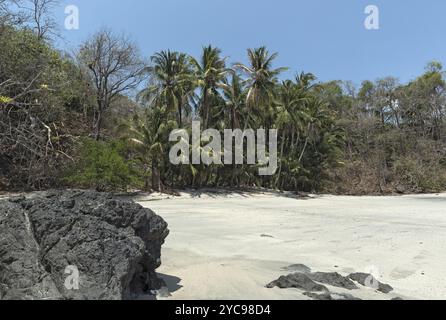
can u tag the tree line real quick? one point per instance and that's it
(101, 118)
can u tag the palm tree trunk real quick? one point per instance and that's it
(206, 110)
(233, 118)
(306, 143)
(276, 184)
(180, 116)
(156, 181)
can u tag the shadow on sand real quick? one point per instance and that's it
(172, 283)
(244, 192)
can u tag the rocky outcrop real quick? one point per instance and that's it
(333, 279)
(299, 281)
(369, 280)
(313, 283)
(327, 296)
(113, 245)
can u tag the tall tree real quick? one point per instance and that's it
(115, 67)
(235, 98)
(210, 72)
(261, 82)
(40, 16)
(150, 132)
(171, 83)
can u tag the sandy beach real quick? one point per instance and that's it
(229, 246)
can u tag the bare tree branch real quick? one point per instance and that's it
(115, 67)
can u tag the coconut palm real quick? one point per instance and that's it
(262, 80)
(209, 73)
(171, 83)
(149, 133)
(235, 98)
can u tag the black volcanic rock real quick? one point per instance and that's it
(312, 283)
(330, 296)
(299, 281)
(115, 245)
(333, 279)
(362, 279)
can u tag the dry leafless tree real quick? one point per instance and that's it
(115, 66)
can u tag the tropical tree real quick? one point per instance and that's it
(235, 98)
(171, 83)
(149, 133)
(290, 120)
(210, 72)
(261, 82)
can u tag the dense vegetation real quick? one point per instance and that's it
(70, 121)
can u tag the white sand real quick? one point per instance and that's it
(216, 249)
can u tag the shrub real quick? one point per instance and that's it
(102, 165)
(419, 176)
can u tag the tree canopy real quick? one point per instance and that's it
(102, 117)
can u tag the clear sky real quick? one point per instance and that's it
(325, 37)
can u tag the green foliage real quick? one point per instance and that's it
(47, 101)
(382, 137)
(102, 165)
(309, 139)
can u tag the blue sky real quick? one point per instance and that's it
(325, 37)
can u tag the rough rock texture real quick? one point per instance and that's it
(115, 245)
(363, 278)
(313, 283)
(299, 281)
(331, 296)
(333, 279)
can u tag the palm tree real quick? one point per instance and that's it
(307, 133)
(305, 81)
(319, 118)
(290, 120)
(149, 133)
(235, 98)
(210, 72)
(171, 83)
(262, 80)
